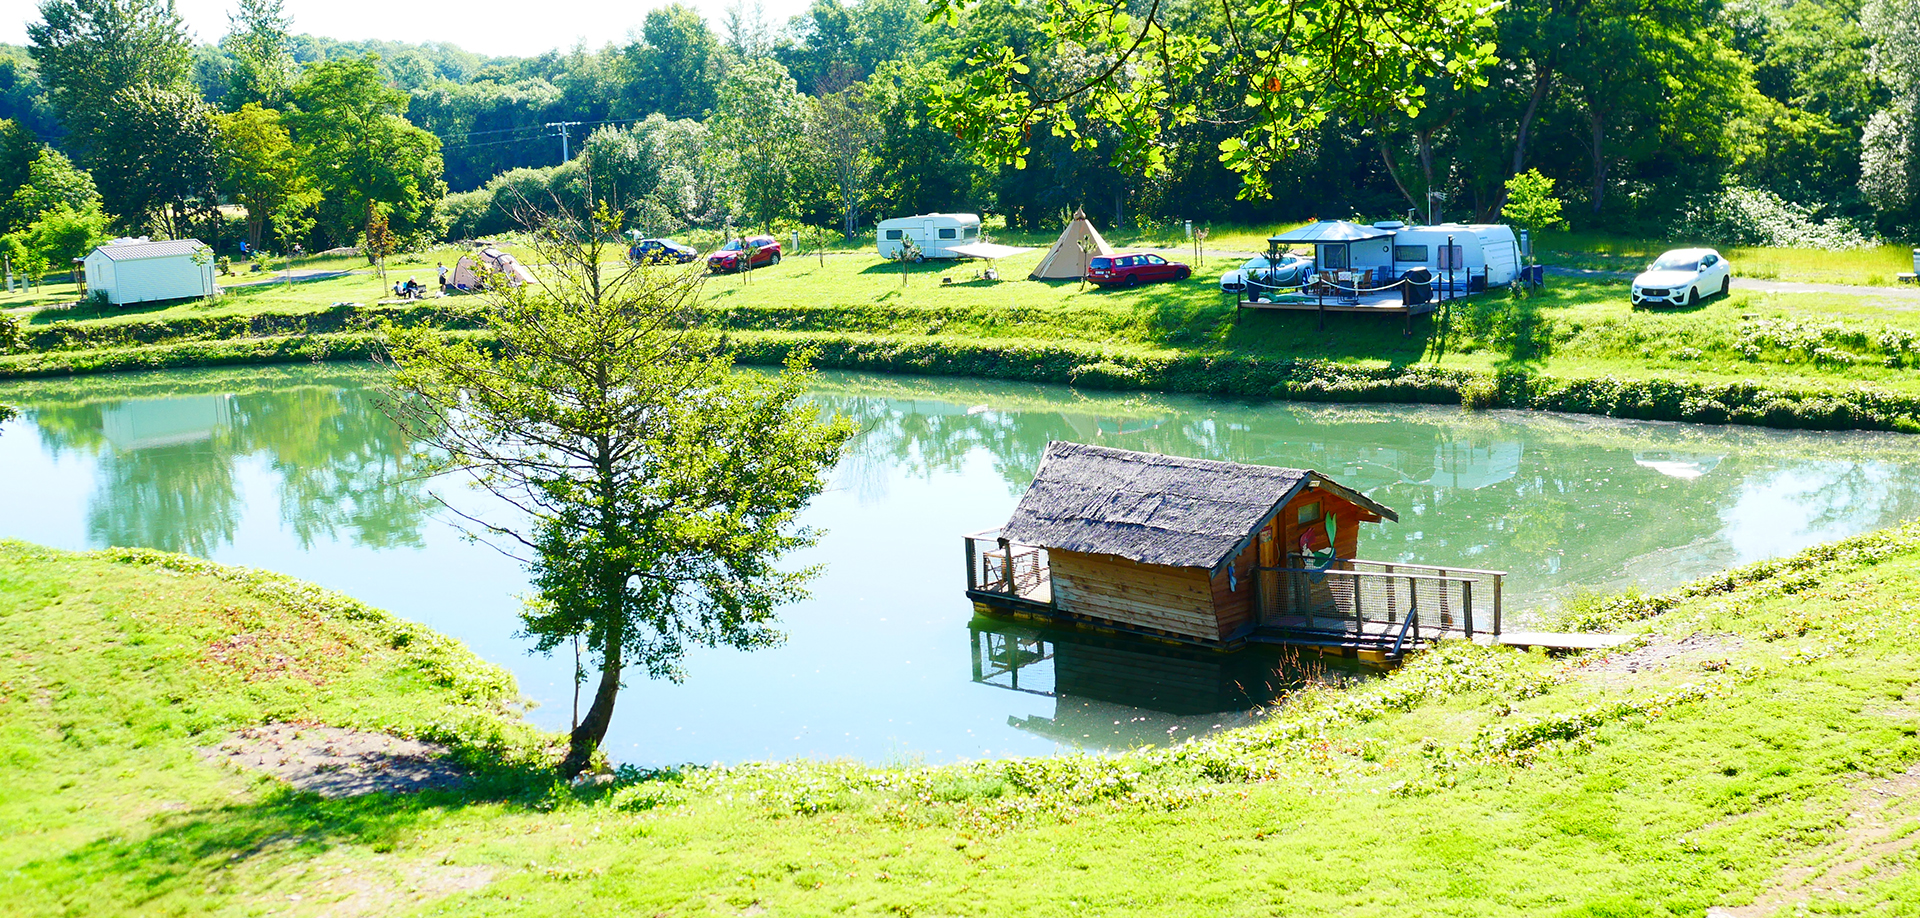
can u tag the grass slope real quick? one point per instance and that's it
(1471, 782)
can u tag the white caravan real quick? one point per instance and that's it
(1483, 255)
(935, 235)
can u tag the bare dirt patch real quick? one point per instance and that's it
(1882, 826)
(1692, 651)
(334, 763)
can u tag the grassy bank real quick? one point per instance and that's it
(1751, 748)
(1808, 360)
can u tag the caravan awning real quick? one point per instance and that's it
(1334, 231)
(986, 250)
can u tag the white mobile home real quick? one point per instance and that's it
(139, 271)
(936, 235)
(1486, 252)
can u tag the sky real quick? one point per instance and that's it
(486, 28)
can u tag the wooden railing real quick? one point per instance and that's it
(1007, 568)
(1380, 602)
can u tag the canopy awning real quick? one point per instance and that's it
(1334, 231)
(986, 250)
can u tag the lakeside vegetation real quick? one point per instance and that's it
(1785, 359)
(1746, 749)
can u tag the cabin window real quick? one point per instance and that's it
(1307, 513)
(973, 231)
(948, 233)
(1452, 257)
(896, 234)
(1410, 253)
(1333, 257)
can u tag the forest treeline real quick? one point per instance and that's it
(1749, 121)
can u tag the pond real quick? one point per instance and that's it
(297, 470)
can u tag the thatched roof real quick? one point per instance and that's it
(1154, 509)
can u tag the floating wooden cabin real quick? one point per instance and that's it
(1217, 554)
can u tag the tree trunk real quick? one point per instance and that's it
(1541, 83)
(593, 728)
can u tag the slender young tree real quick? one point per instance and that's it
(653, 488)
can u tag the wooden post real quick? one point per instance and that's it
(1496, 605)
(1466, 591)
(971, 562)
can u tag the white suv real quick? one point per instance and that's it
(1681, 277)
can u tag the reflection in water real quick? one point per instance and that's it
(166, 472)
(298, 469)
(1116, 693)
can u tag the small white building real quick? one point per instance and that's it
(139, 271)
(936, 235)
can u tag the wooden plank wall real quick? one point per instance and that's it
(1172, 599)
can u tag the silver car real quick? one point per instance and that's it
(1258, 274)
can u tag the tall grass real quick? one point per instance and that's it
(1874, 267)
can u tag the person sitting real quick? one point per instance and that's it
(413, 289)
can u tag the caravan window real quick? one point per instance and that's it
(1333, 257)
(973, 231)
(947, 233)
(1410, 253)
(896, 234)
(1452, 257)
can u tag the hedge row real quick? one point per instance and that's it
(343, 317)
(1744, 402)
(290, 349)
(1084, 366)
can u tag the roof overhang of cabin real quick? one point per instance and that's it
(1372, 511)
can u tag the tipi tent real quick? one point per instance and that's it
(466, 274)
(1065, 261)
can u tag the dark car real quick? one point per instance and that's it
(1134, 270)
(661, 252)
(733, 255)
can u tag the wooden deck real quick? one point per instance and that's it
(1387, 302)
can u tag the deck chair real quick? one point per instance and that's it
(1318, 563)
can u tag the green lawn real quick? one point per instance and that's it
(1759, 764)
(1873, 267)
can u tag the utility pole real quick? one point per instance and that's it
(566, 153)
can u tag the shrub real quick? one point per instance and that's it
(1737, 215)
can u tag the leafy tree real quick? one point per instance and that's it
(361, 152)
(1890, 149)
(658, 486)
(170, 178)
(918, 167)
(263, 69)
(759, 135)
(18, 149)
(53, 181)
(674, 70)
(1292, 65)
(23, 98)
(63, 234)
(378, 243)
(1531, 202)
(293, 223)
(843, 129)
(259, 167)
(89, 52)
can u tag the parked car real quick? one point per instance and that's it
(1289, 271)
(766, 251)
(1134, 270)
(1681, 277)
(661, 251)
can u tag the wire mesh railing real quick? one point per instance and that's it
(995, 565)
(1380, 603)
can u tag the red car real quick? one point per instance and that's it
(766, 251)
(1134, 270)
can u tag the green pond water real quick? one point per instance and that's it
(297, 470)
